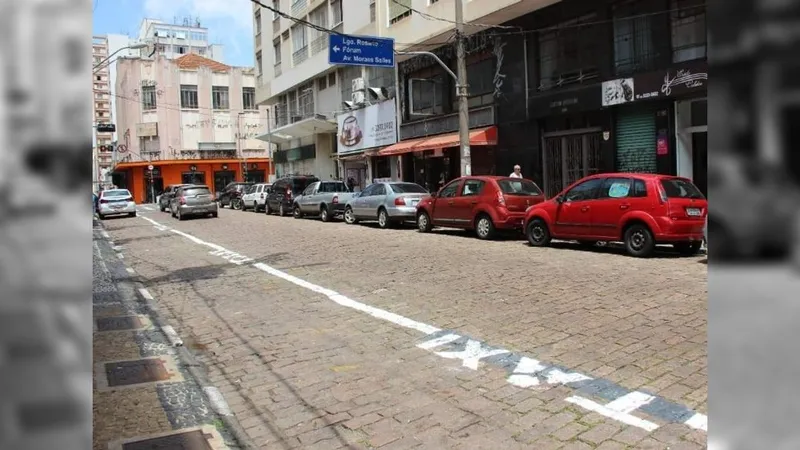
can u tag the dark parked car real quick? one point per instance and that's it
(193, 200)
(166, 196)
(284, 191)
(232, 194)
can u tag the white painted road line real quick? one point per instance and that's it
(625, 418)
(146, 294)
(217, 401)
(130, 271)
(526, 374)
(172, 335)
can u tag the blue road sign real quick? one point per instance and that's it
(361, 50)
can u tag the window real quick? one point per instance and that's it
(428, 95)
(380, 189)
(583, 191)
(689, 37)
(639, 188)
(99, 78)
(305, 97)
(449, 190)
(336, 10)
(633, 39)
(333, 187)
(322, 83)
(249, 98)
(258, 22)
(259, 69)
(219, 97)
(398, 10)
(310, 189)
(319, 39)
(299, 44)
(567, 53)
(276, 49)
(408, 188)
(332, 79)
(472, 188)
(519, 187)
(181, 49)
(369, 190)
(276, 5)
(680, 188)
(615, 188)
(148, 98)
(371, 11)
(189, 96)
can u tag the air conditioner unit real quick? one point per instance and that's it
(359, 98)
(358, 84)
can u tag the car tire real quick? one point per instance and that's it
(181, 216)
(639, 241)
(267, 209)
(133, 214)
(383, 219)
(281, 211)
(296, 212)
(324, 215)
(214, 215)
(688, 248)
(349, 216)
(424, 222)
(484, 227)
(162, 208)
(538, 233)
(255, 207)
(101, 216)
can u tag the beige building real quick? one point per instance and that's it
(101, 107)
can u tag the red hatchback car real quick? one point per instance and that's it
(641, 210)
(481, 203)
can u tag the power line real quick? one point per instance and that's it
(427, 16)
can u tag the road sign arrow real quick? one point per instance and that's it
(336, 48)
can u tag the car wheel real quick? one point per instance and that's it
(296, 212)
(424, 222)
(255, 207)
(162, 208)
(281, 211)
(180, 215)
(267, 209)
(484, 227)
(324, 214)
(383, 219)
(215, 215)
(639, 241)
(349, 217)
(688, 248)
(101, 216)
(537, 233)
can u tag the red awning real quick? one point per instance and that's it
(481, 136)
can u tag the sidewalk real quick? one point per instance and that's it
(148, 390)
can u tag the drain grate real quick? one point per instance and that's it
(118, 323)
(191, 440)
(125, 373)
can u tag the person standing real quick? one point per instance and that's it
(517, 173)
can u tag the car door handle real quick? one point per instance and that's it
(474, 202)
(584, 209)
(450, 202)
(624, 206)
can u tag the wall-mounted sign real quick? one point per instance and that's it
(617, 92)
(216, 146)
(147, 129)
(585, 98)
(373, 126)
(677, 81)
(662, 144)
(224, 167)
(106, 128)
(193, 168)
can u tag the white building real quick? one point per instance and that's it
(173, 40)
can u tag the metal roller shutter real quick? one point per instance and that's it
(636, 141)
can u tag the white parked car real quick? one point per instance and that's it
(256, 197)
(115, 202)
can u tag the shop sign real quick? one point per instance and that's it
(373, 126)
(674, 82)
(575, 100)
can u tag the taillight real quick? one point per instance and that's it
(182, 200)
(103, 201)
(501, 199)
(289, 192)
(335, 199)
(400, 201)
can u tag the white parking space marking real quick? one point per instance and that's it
(473, 352)
(698, 422)
(604, 410)
(433, 343)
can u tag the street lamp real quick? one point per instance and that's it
(137, 46)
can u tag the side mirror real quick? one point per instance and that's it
(560, 199)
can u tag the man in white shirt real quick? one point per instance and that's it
(517, 173)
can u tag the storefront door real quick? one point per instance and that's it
(256, 176)
(569, 156)
(193, 178)
(691, 122)
(222, 178)
(153, 188)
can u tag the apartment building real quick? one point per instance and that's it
(173, 40)
(101, 110)
(307, 93)
(193, 119)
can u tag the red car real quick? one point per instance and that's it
(481, 203)
(640, 210)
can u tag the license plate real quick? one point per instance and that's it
(694, 212)
(201, 210)
(414, 202)
(117, 206)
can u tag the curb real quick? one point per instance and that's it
(190, 363)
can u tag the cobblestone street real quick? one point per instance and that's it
(324, 335)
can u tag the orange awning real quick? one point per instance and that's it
(480, 136)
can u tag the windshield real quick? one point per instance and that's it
(680, 188)
(196, 190)
(407, 188)
(117, 193)
(511, 186)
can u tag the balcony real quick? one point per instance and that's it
(319, 44)
(483, 116)
(299, 7)
(299, 56)
(278, 70)
(276, 26)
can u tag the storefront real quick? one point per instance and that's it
(361, 134)
(147, 184)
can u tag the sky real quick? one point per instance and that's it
(229, 22)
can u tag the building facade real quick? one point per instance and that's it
(570, 89)
(193, 119)
(173, 40)
(101, 110)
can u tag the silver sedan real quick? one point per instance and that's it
(387, 203)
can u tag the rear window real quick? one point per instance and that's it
(680, 188)
(511, 186)
(333, 187)
(300, 184)
(117, 193)
(408, 188)
(200, 190)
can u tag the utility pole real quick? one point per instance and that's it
(462, 91)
